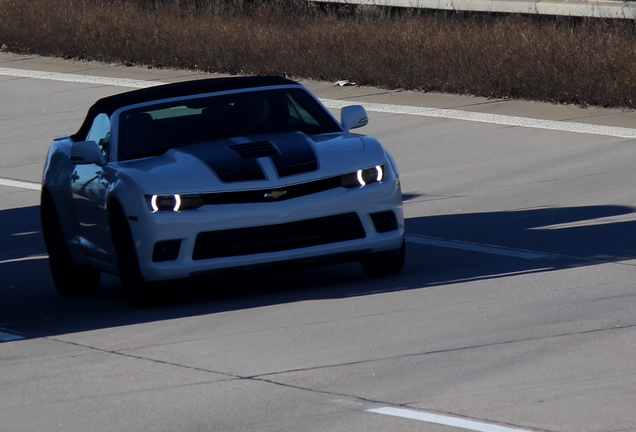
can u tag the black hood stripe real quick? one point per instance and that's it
(228, 165)
(291, 154)
(296, 156)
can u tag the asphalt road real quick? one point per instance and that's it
(515, 312)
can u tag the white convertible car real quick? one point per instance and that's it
(186, 179)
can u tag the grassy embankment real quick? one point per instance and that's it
(561, 60)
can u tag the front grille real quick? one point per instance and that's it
(265, 195)
(273, 238)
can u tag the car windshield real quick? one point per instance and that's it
(153, 130)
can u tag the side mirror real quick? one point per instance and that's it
(353, 116)
(87, 152)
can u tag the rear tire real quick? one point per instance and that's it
(137, 289)
(69, 278)
(384, 263)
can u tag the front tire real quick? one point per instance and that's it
(384, 263)
(69, 278)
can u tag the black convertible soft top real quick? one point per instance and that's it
(110, 104)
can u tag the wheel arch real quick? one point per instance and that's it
(50, 212)
(113, 205)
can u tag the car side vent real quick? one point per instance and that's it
(255, 150)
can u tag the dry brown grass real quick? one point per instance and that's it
(562, 60)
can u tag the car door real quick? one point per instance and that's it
(89, 186)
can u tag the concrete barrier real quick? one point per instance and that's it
(577, 8)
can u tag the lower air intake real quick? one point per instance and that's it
(273, 238)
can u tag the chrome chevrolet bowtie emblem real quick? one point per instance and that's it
(275, 194)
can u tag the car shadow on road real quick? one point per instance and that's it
(562, 237)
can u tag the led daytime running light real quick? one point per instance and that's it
(165, 202)
(364, 177)
(360, 179)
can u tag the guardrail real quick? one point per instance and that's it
(576, 8)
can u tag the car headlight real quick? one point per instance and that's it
(363, 177)
(174, 202)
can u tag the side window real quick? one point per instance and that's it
(100, 133)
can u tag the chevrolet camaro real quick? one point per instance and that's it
(187, 179)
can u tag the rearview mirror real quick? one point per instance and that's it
(353, 117)
(87, 152)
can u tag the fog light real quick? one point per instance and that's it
(384, 221)
(166, 250)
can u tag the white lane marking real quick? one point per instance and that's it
(476, 247)
(20, 184)
(26, 233)
(76, 78)
(8, 337)
(499, 119)
(29, 258)
(443, 420)
(619, 219)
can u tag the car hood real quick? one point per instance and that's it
(252, 162)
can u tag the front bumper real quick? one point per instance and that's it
(338, 222)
